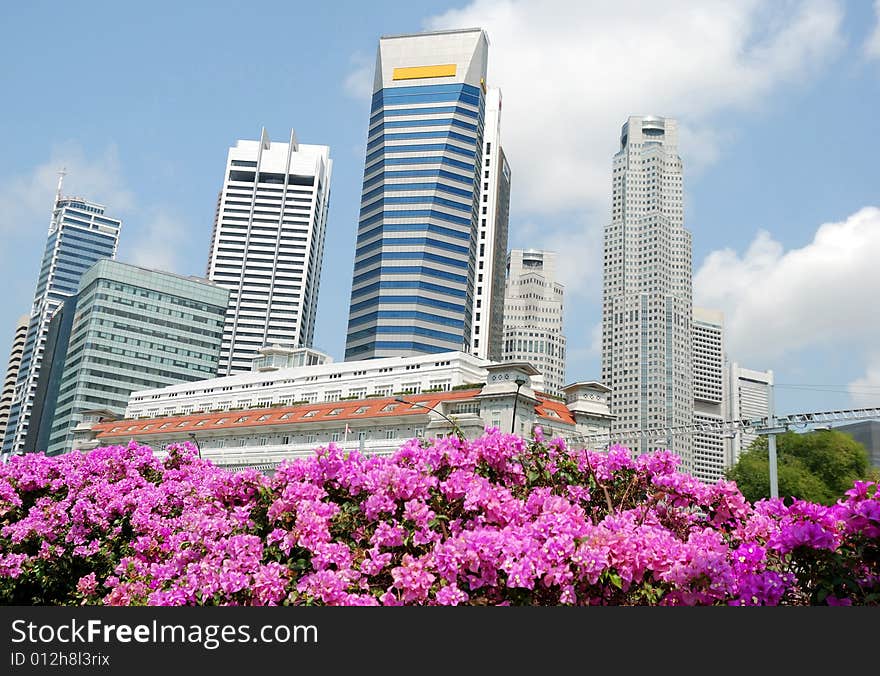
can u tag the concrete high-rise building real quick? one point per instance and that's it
(646, 305)
(487, 324)
(749, 398)
(80, 233)
(133, 329)
(533, 305)
(710, 401)
(18, 340)
(268, 245)
(413, 282)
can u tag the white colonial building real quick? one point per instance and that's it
(327, 382)
(262, 435)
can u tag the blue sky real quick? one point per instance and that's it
(777, 102)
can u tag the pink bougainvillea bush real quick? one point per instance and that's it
(494, 521)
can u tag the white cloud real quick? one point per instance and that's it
(820, 295)
(872, 46)
(27, 199)
(572, 72)
(359, 82)
(156, 243)
(865, 391)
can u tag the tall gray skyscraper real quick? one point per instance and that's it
(487, 323)
(533, 305)
(268, 245)
(413, 283)
(646, 305)
(80, 233)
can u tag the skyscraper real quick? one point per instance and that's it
(646, 305)
(80, 233)
(413, 282)
(533, 304)
(487, 324)
(710, 399)
(133, 329)
(750, 395)
(21, 327)
(268, 245)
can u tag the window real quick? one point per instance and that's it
(310, 439)
(361, 409)
(335, 411)
(388, 408)
(336, 436)
(263, 417)
(285, 439)
(389, 434)
(242, 419)
(311, 414)
(362, 436)
(221, 421)
(419, 431)
(201, 422)
(183, 424)
(264, 441)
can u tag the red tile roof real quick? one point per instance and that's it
(377, 407)
(553, 409)
(349, 410)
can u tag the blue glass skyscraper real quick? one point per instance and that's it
(413, 282)
(80, 234)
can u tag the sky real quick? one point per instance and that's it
(777, 103)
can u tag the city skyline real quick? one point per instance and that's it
(724, 206)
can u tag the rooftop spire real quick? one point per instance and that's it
(61, 174)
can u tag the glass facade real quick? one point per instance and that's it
(134, 329)
(80, 234)
(414, 269)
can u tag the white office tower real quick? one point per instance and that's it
(710, 457)
(487, 324)
(646, 306)
(267, 245)
(533, 303)
(749, 398)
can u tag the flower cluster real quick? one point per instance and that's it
(492, 521)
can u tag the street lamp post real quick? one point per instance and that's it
(520, 381)
(455, 427)
(192, 435)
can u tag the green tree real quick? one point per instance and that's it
(818, 466)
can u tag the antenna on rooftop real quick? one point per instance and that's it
(61, 174)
